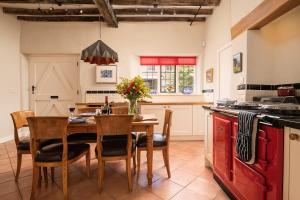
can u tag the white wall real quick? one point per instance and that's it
(130, 40)
(217, 35)
(240, 8)
(9, 72)
(274, 51)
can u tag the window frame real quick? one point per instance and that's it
(176, 76)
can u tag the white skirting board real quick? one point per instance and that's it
(6, 138)
(187, 138)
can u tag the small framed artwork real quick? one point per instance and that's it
(237, 63)
(106, 74)
(210, 75)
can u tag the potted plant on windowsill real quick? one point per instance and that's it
(133, 90)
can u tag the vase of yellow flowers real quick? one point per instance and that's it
(133, 90)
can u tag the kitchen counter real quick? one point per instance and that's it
(154, 103)
(274, 120)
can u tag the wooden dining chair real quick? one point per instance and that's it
(23, 144)
(119, 110)
(118, 149)
(160, 142)
(55, 155)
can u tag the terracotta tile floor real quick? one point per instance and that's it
(190, 179)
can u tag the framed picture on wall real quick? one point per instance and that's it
(210, 75)
(237, 63)
(106, 74)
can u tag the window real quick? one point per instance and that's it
(186, 79)
(166, 77)
(150, 74)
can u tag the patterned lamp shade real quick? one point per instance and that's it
(99, 53)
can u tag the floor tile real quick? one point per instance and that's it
(204, 187)
(164, 188)
(187, 194)
(11, 196)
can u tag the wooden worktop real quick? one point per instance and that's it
(155, 103)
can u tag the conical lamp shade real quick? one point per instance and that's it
(99, 53)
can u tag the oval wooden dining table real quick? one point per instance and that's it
(145, 125)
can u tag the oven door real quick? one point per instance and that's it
(249, 183)
(222, 156)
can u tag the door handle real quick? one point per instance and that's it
(293, 136)
(53, 97)
(33, 89)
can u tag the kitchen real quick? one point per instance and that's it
(268, 59)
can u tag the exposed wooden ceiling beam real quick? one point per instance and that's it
(264, 13)
(165, 11)
(160, 19)
(50, 1)
(95, 11)
(107, 12)
(168, 2)
(95, 18)
(61, 18)
(24, 11)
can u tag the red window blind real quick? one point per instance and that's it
(168, 60)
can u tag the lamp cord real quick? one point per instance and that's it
(100, 26)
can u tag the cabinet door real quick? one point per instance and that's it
(292, 163)
(208, 136)
(198, 120)
(158, 111)
(222, 157)
(182, 124)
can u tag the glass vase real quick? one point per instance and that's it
(133, 107)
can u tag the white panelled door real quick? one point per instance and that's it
(54, 84)
(225, 73)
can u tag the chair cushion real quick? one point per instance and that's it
(53, 152)
(24, 144)
(115, 147)
(118, 137)
(158, 140)
(82, 137)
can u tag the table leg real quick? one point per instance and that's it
(149, 153)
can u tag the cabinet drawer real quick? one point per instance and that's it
(249, 183)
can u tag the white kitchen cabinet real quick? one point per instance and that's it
(188, 121)
(182, 124)
(208, 140)
(158, 111)
(198, 120)
(291, 176)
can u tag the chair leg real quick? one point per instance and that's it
(52, 174)
(65, 180)
(88, 163)
(134, 164)
(128, 169)
(166, 160)
(19, 162)
(45, 175)
(35, 181)
(40, 176)
(138, 162)
(101, 166)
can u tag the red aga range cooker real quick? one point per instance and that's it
(260, 181)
